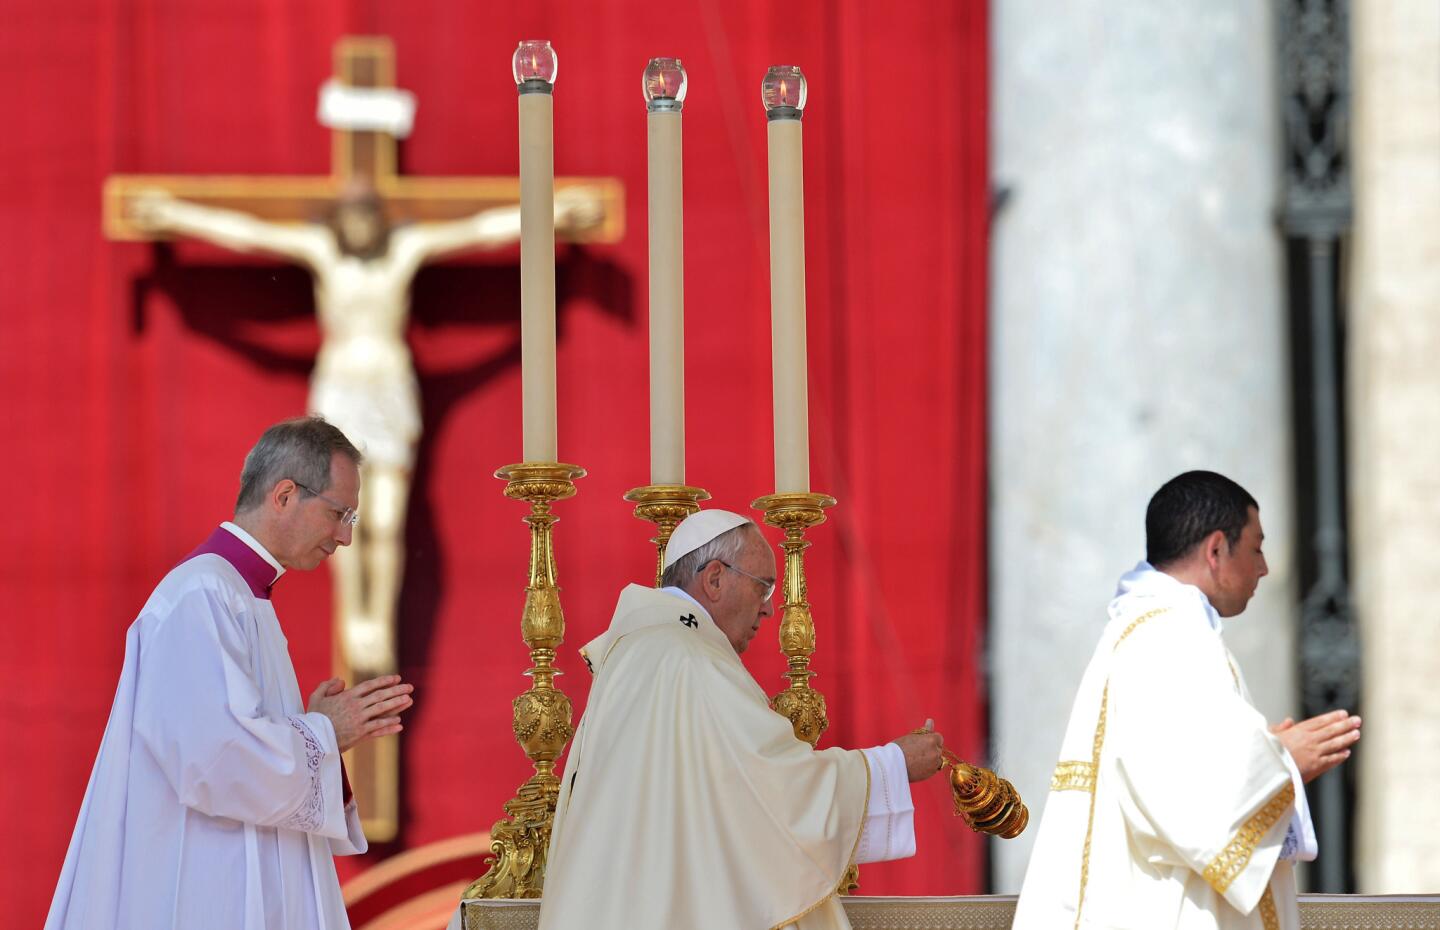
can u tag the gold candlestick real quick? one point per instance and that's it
(541, 722)
(665, 505)
(800, 703)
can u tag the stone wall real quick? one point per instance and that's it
(1138, 330)
(1394, 362)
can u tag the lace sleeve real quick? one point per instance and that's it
(309, 816)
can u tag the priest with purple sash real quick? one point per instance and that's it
(218, 798)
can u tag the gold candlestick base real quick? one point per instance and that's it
(665, 505)
(801, 704)
(986, 802)
(542, 715)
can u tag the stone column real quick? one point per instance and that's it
(1394, 400)
(1138, 330)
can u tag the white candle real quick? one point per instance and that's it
(783, 92)
(534, 66)
(664, 87)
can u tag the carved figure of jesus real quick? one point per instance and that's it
(364, 377)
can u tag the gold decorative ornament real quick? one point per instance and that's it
(1097, 746)
(542, 715)
(986, 802)
(665, 505)
(802, 705)
(1073, 775)
(1222, 871)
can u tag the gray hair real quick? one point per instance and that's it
(299, 449)
(725, 548)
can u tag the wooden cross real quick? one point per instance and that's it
(357, 155)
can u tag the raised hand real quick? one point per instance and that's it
(1319, 744)
(369, 710)
(922, 751)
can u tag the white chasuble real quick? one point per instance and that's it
(216, 801)
(687, 802)
(1172, 800)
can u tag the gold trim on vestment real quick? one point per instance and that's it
(1268, 917)
(1227, 866)
(1073, 776)
(1095, 766)
(848, 862)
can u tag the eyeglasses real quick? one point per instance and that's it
(769, 586)
(349, 516)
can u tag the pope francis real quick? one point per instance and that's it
(685, 800)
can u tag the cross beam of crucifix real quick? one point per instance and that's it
(366, 156)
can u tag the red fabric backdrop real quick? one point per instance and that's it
(135, 378)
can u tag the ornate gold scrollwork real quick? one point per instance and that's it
(805, 709)
(801, 704)
(986, 802)
(542, 723)
(542, 714)
(665, 505)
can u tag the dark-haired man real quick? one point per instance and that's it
(1173, 804)
(217, 800)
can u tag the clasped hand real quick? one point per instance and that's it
(369, 710)
(1319, 744)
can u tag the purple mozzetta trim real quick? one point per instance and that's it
(258, 573)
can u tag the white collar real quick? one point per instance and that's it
(1146, 581)
(254, 543)
(681, 592)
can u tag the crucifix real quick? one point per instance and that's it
(363, 232)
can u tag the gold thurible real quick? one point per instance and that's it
(542, 715)
(665, 505)
(986, 802)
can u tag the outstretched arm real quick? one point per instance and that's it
(488, 229)
(156, 211)
(576, 208)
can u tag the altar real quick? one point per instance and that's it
(994, 912)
